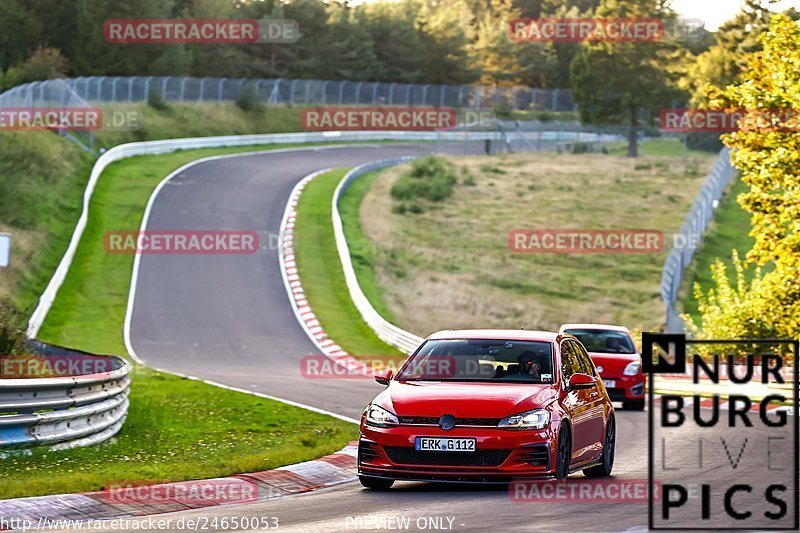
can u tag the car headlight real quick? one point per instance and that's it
(380, 417)
(632, 369)
(536, 419)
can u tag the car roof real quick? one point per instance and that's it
(594, 326)
(495, 334)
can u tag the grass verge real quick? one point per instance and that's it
(729, 231)
(321, 271)
(179, 429)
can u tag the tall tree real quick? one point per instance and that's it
(625, 82)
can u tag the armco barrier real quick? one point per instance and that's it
(403, 340)
(64, 412)
(689, 238)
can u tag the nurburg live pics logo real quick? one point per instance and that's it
(757, 431)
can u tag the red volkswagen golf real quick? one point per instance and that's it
(488, 406)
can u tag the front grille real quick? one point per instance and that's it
(537, 455)
(367, 451)
(463, 422)
(410, 456)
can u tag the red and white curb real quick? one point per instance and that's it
(294, 288)
(143, 500)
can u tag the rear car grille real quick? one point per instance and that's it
(434, 421)
(537, 455)
(410, 456)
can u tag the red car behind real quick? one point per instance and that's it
(488, 406)
(614, 354)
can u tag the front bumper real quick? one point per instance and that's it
(499, 456)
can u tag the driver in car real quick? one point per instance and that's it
(528, 365)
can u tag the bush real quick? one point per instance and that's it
(12, 329)
(248, 99)
(706, 141)
(430, 178)
(156, 100)
(44, 64)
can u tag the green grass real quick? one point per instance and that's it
(729, 230)
(362, 249)
(664, 147)
(179, 429)
(198, 120)
(321, 271)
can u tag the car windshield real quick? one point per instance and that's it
(480, 360)
(604, 340)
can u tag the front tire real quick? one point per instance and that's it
(563, 453)
(376, 483)
(609, 443)
(633, 405)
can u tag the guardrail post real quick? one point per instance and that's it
(219, 89)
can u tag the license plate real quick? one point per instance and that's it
(609, 383)
(437, 444)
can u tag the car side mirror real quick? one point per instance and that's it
(384, 377)
(580, 381)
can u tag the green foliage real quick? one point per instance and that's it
(155, 99)
(430, 178)
(12, 329)
(619, 82)
(248, 99)
(768, 157)
(44, 64)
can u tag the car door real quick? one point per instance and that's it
(576, 403)
(594, 424)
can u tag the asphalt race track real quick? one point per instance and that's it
(227, 318)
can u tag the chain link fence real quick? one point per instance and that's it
(688, 240)
(286, 91)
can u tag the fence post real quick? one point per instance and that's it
(147, 87)
(219, 89)
(114, 89)
(441, 96)
(408, 94)
(341, 91)
(478, 97)
(358, 92)
(425, 94)
(391, 93)
(555, 100)
(183, 85)
(291, 91)
(461, 94)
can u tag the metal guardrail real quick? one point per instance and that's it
(403, 340)
(287, 91)
(64, 412)
(691, 234)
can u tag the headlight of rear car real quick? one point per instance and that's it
(632, 369)
(380, 417)
(536, 419)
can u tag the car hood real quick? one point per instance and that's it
(613, 364)
(464, 400)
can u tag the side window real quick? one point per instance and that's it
(569, 362)
(585, 360)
